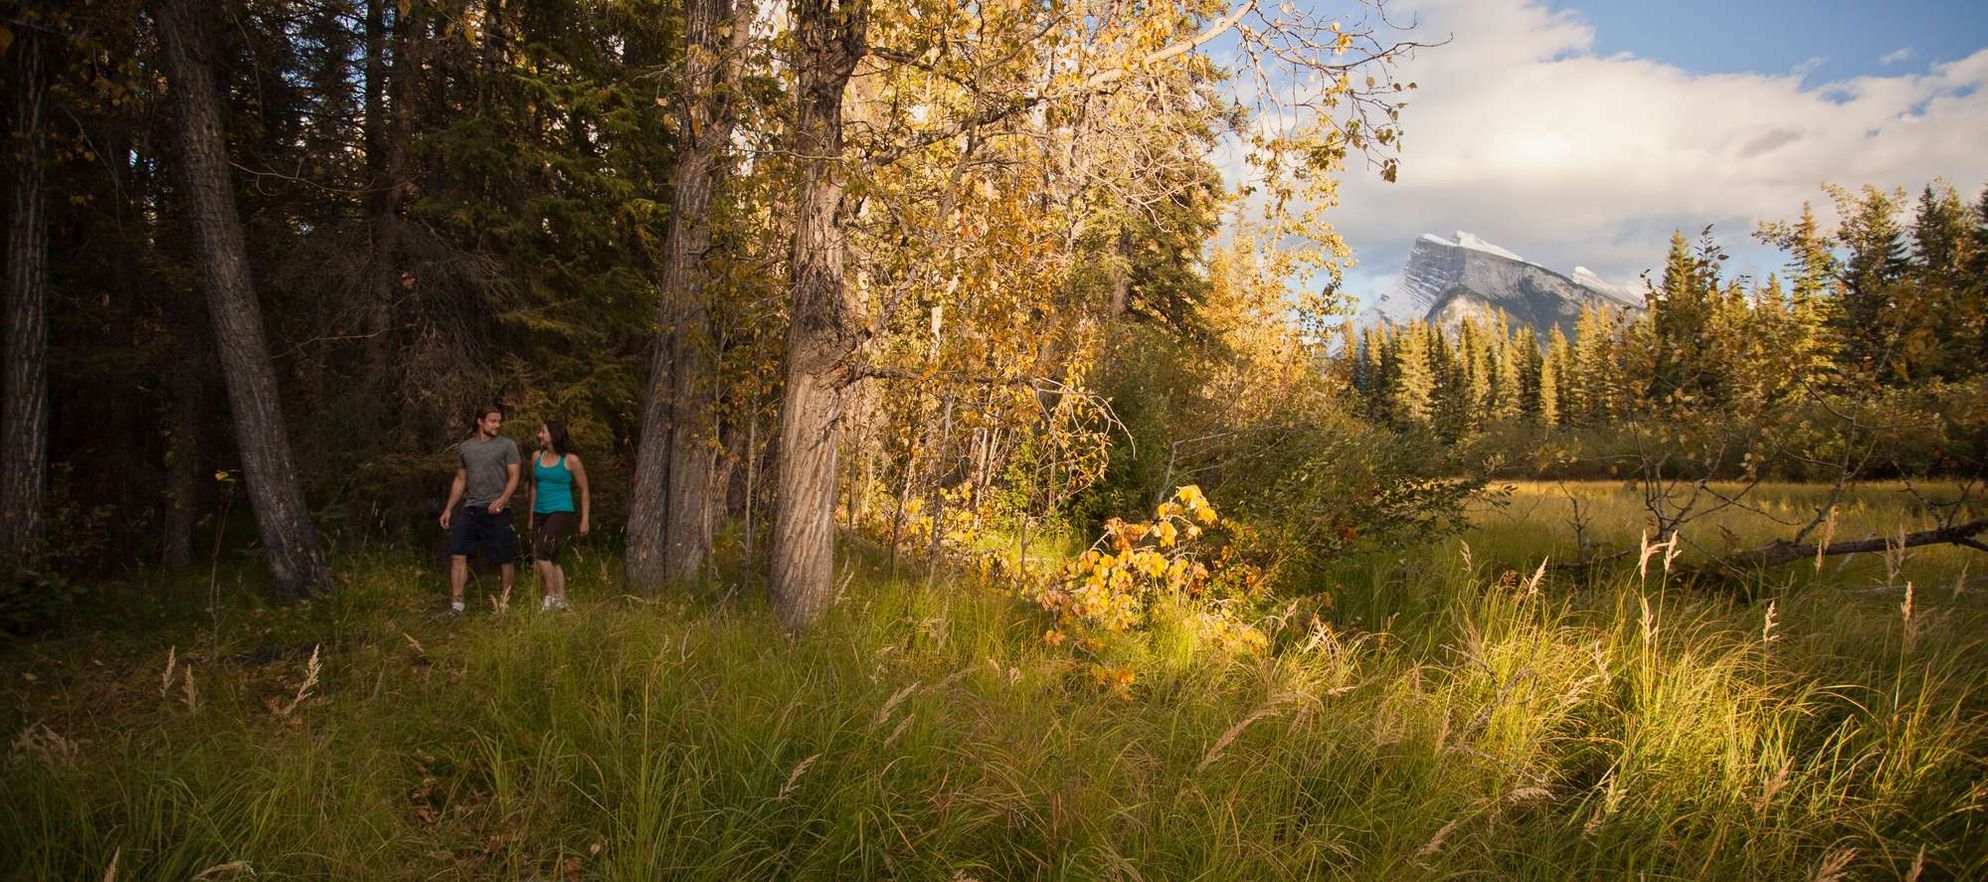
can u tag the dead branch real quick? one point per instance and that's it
(1784, 551)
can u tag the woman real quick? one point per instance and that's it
(556, 473)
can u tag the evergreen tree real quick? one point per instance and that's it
(1731, 344)
(1413, 377)
(1971, 312)
(1376, 365)
(1692, 326)
(1507, 388)
(1771, 361)
(1867, 324)
(1451, 402)
(1474, 380)
(1552, 380)
(1347, 369)
(1931, 342)
(1812, 292)
(1595, 370)
(1530, 376)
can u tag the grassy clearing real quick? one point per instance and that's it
(1540, 518)
(1441, 720)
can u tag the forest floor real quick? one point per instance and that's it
(1437, 715)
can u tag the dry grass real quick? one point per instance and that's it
(1440, 718)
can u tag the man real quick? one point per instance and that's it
(486, 476)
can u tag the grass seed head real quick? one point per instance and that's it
(794, 776)
(1435, 842)
(1834, 865)
(311, 671)
(166, 679)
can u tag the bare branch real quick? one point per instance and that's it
(1781, 552)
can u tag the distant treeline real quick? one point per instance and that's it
(1879, 328)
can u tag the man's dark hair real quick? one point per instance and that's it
(557, 430)
(485, 411)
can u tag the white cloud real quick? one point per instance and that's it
(1521, 134)
(1895, 56)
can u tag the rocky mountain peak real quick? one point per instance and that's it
(1448, 280)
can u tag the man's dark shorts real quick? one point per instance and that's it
(475, 527)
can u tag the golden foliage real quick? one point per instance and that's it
(1136, 567)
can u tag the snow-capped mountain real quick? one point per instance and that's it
(1448, 280)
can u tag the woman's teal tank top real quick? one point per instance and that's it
(555, 486)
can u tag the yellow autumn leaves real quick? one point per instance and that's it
(1114, 586)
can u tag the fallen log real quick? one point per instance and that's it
(1782, 551)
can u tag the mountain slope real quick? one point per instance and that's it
(1449, 280)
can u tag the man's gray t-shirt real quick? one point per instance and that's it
(484, 463)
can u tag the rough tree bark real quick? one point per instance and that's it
(291, 547)
(825, 321)
(670, 508)
(24, 413)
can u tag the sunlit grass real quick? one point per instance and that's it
(1546, 518)
(1444, 719)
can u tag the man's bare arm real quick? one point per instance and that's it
(455, 496)
(510, 487)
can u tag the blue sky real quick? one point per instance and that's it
(1850, 37)
(1582, 133)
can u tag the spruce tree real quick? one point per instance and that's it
(1770, 362)
(1376, 366)
(1867, 323)
(1971, 312)
(1347, 366)
(1414, 380)
(1930, 340)
(1595, 374)
(1812, 293)
(1508, 393)
(1451, 401)
(1691, 326)
(1557, 393)
(1530, 376)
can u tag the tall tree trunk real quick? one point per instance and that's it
(24, 413)
(290, 541)
(182, 454)
(386, 154)
(936, 498)
(825, 321)
(670, 511)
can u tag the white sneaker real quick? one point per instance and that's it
(455, 606)
(545, 603)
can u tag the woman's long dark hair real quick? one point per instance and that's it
(560, 444)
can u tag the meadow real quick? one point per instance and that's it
(1442, 713)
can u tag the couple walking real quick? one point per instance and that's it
(486, 478)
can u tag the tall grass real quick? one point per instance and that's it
(1443, 719)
